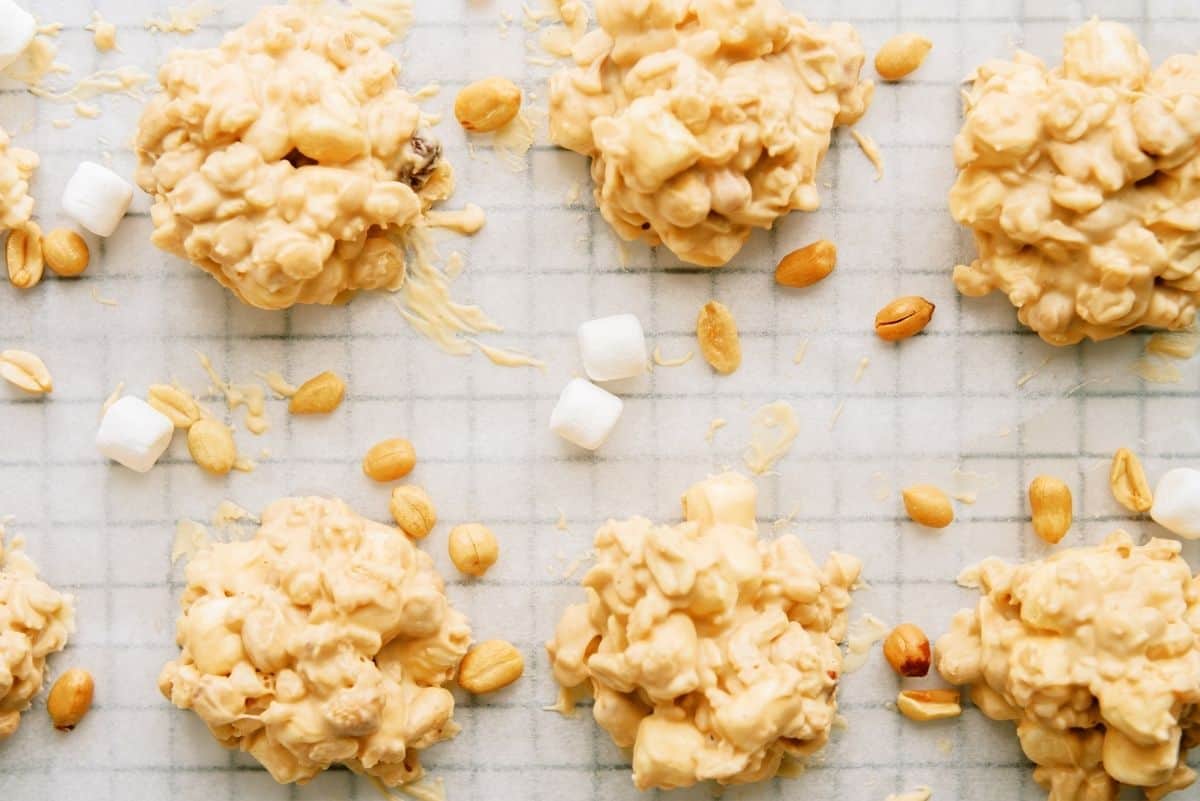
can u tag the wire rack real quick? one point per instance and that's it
(949, 399)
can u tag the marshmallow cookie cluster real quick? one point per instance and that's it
(1095, 654)
(705, 119)
(1079, 184)
(324, 639)
(35, 621)
(284, 161)
(711, 653)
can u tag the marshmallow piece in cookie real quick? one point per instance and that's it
(585, 414)
(134, 433)
(16, 32)
(97, 198)
(1177, 502)
(613, 347)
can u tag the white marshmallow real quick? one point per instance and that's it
(97, 198)
(134, 433)
(17, 29)
(1177, 502)
(613, 347)
(585, 414)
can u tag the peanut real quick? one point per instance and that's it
(718, 334)
(903, 317)
(175, 404)
(928, 506)
(1128, 482)
(23, 252)
(27, 371)
(413, 511)
(490, 666)
(487, 105)
(907, 650)
(320, 394)
(924, 705)
(70, 698)
(211, 445)
(389, 460)
(473, 548)
(901, 55)
(1050, 501)
(65, 252)
(9, 723)
(808, 265)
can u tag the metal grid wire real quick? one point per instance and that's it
(949, 398)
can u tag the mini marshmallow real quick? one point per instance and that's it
(1177, 502)
(17, 30)
(134, 433)
(613, 347)
(97, 198)
(585, 414)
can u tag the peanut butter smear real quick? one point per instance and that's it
(705, 119)
(712, 654)
(35, 621)
(1077, 182)
(1095, 654)
(325, 639)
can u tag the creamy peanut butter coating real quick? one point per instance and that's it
(35, 621)
(1095, 654)
(1079, 183)
(324, 639)
(17, 166)
(711, 653)
(705, 119)
(284, 161)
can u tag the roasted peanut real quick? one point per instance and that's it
(923, 705)
(928, 505)
(211, 445)
(473, 548)
(413, 511)
(1050, 501)
(901, 55)
(176, 404)
(487, 105)
(907, 650)
(65, 252)
(70, 698)
(808, 265)
(718, 334)
(490, 666)
(903, 317)
(25, 370)
(389, 460)
(1128, 482)
(23, 252)
(320, 394)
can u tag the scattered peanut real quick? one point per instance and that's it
(473, 548)
(65, 252)
(211, 445)
(389, 460)
(924, 705)
(176, 404)
(23, 252)
(487, 105)
(718, 334)
(490, 666)
(903, 317)
(1050, 500)
(808, 265)
(928, 506)
(70, 698)
(907, 650)
(320, 394)
(413, 511)
(901, 55)
(1128, 482)
(9, 723)
(25, 370)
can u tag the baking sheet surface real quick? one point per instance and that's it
(949, 399)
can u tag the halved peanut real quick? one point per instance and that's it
(1128, 482)
(1050, 501)
(718, 335)
(490, 666)
(176, 404)
(211, 445)
(25, 370)
(925, 705)
(320, 394)
(23, 252)
(808, 265)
